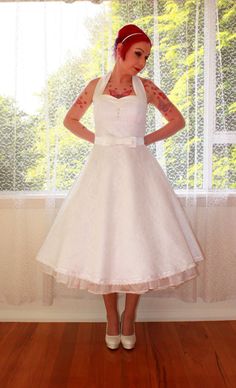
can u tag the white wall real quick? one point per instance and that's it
(148, 310)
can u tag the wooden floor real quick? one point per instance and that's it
(167, 354)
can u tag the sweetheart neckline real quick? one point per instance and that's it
(115, 98)
(118, 99)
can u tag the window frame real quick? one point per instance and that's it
(211, 135)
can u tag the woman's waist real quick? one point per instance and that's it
(131, 141)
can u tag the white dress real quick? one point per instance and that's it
(121, 227)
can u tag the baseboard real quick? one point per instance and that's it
(89, 310)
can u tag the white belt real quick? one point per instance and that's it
(130, 141)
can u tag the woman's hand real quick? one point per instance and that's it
(145, 140)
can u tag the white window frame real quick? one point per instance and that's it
(211, 136)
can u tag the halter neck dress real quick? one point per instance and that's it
(121, 228)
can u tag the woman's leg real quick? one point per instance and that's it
(131, 302)
(110, 301)
(130, 313)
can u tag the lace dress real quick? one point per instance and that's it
(121, 227)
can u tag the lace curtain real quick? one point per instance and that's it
(50, 50)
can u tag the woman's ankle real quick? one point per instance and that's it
(129, 316)
(113, 325)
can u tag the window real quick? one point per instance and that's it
(51, 49)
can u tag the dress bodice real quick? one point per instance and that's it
(124, 116)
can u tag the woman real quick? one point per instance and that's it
(122, 228)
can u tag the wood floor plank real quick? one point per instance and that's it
(74, 355)
(168, 354)
(232, 324)
(49, 348)
(64, 356)
(199, 355)
(18, 341)
(33, 360)
(223, 340)
(82, 355)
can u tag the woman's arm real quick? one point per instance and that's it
(175, 119)
(78, 109)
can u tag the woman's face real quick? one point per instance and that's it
(136, 57)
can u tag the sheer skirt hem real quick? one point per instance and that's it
(72, 281)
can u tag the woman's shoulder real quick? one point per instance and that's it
(91, 86)
(148, 84)
(93, 82)
(151, 88)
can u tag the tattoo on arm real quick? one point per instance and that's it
(157, 97)
(81, 101)
(164, 106)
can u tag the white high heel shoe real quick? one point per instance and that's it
(112, 341)
(128, 341)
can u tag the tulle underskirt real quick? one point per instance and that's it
(72, 281)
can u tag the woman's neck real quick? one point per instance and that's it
(119, 77)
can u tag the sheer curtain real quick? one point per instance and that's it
(49, 52)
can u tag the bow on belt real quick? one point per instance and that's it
(130, 141)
